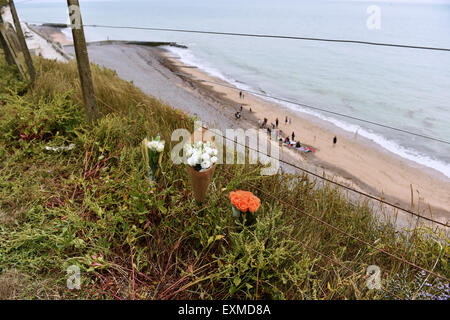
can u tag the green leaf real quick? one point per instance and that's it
(236, 281)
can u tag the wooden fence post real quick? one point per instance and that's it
(84, 69)
(9, 35)
(23, 43)
(4, 46)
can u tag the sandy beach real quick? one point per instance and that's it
(354, 161)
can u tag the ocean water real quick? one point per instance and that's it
(404, 88)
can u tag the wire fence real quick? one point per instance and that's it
(328, 225)
(304, 105)
(287, 204)
(313, 108)
(255, 35)
(338, 184)
(309, 172)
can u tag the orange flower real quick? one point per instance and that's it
(245, 201)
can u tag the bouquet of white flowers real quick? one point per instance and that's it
(201, 155)
(201, 158)
(152, 152)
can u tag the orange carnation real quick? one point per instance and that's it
(245, 201)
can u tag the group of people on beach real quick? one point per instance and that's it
(274, 126)
(289, 141)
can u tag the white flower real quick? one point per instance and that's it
(156, 145)
(151, 145)
(201, 153)
(206, 164)
(160, 147)
(192, 161)
(205, 157)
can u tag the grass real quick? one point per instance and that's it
(93, 207)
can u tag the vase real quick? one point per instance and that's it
(200, 182)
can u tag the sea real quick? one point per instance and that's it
(407, 89)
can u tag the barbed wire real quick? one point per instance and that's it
(287, 204)
(337, 183)
(255, 35)
(329, 225)
(315, 108)
(308, 106)
(325, 179)
(401, 259)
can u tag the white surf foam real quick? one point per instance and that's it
(187, 57)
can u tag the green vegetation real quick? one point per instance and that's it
(93, 207)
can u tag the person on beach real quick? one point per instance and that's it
(286, 121)
(251, 110)
(241, 108)
(293, 136)
(298, 145)
(237, 115)
(264, 123)
(240, 94)
(269, 131)
(259, 123)
(334, 141)
(276, 122)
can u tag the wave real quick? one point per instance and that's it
(187, 57)
(387, 144)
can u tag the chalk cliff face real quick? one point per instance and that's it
(38, 44)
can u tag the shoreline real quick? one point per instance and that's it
(338, 162)
(325, 123)
(358, 163)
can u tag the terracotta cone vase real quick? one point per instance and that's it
(200, 182)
